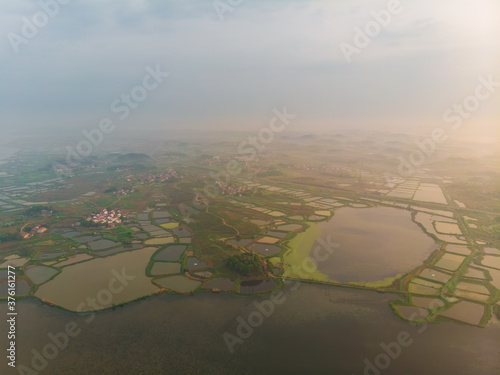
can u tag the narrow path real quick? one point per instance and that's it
(220, 218)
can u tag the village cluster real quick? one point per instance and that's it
(233, 190)
(105, 216)
(36, 229)
(168, 175)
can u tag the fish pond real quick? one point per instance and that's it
(178, 283)
(112, 280)
(171, 253)
(374, 244)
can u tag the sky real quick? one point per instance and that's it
(229, 65)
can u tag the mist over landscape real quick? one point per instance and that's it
(250, 187)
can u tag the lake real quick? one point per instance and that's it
(375, 244)
(316, 330)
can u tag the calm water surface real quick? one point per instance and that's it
(376, 243)
(316, 330)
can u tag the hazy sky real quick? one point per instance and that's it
(231, 73)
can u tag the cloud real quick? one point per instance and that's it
(231, 73)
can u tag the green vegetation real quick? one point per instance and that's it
(269, 173)
(311, 182)
(120, 234)
(89, 223)
(5, 237)
(301, 246)
(36, 210)
(111, 190)
(387, 282)
(245, 264)
(496, 310)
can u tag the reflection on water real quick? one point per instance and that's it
(112, 280)
(376, 243)
(316, 330)
(257, 286)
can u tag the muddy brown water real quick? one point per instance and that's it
(316, 330)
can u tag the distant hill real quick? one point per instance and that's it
(135, 158)
(127, 159)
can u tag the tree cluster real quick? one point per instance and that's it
(245, 264)
(5, 237)
(36, 210)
